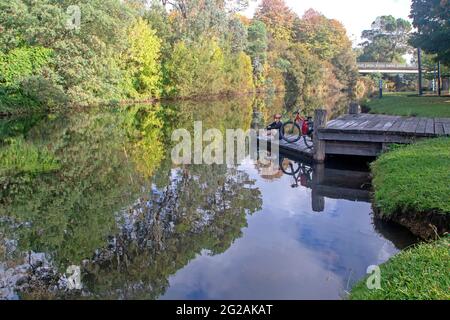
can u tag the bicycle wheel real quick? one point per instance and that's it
(291, 132)
(286, 163)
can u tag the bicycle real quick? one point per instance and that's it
(293, 130)
(301, 172)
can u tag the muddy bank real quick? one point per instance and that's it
(427, 226)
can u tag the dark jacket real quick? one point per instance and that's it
(275, 126)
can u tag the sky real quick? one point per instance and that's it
(356, 15)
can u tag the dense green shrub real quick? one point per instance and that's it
(20, 63)
(141, 62)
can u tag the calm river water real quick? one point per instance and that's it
(97, 191)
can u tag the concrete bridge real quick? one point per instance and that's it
(385, 67)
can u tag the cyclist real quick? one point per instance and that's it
(277, 124)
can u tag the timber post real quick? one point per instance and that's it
(320, 120)
(317, 201)
(354, 108)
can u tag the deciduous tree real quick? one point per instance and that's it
(387, 40)
(432, 20)
(277, 17)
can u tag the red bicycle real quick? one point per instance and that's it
(294, 129)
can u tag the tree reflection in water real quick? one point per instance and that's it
(108, 160)
(201, 209)
(117, 207)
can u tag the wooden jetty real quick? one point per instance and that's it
(357, 134)
(369, 134)
(297, 149)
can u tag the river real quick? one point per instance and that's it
(97, 191)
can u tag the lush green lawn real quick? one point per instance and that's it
(419, 273)
(410, 104)
(414, 178)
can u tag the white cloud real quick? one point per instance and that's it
(356, 15)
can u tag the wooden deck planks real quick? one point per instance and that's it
(384, 128)
(429, 129)
(438, 128)
(392, 125)
(442, 126)
(411, 125)
(385, 124)
(421, 126)
(396, 126)
(358, 125)
(446, 128)
(407, 125)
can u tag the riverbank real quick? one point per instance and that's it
(15, 111)
(419, 273)
(409, 104)
(411, 182)
(411, 188)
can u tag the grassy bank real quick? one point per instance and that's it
(412, 186)
(414, 177)
(419, 273)
(409, 104)
(411, 182)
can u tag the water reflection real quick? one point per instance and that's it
(288, 250)
(140, 227)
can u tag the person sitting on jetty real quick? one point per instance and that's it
(276, 125)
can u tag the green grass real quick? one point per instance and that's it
(419, 273)
(410, 104)
(414, 178)
(21, 157)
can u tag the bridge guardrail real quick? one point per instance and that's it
(385, 65)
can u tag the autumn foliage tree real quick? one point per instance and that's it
(306, 54)
(277, 17)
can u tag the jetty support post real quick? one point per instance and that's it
(317, 201)
(354, 108)
(320, 120)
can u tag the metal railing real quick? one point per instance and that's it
(385, 65)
